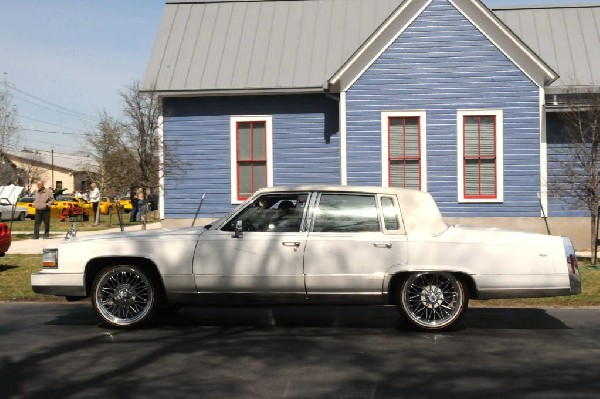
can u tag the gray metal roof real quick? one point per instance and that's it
(259, 45)
(236, 46)
(567, 38)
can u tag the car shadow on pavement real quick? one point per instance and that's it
(511, 319)
(367, 317)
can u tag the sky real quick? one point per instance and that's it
(65, 62)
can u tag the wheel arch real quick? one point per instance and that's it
(94, 266)
(396, 279)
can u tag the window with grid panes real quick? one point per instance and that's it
(404, 154)
(480, 157)
(251, 157)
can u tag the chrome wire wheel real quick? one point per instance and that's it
(124, 296)
(432, 300)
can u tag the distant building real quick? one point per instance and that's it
(56, 169)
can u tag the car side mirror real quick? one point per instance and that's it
(239, 231)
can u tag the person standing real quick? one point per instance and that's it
(42, 200)
(94, 199)
(133, 199)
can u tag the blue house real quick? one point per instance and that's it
(437, 95)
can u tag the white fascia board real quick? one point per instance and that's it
(506, 41)
(380, 41)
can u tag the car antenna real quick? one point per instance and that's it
(198, 211)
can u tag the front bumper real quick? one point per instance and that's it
(60, 284)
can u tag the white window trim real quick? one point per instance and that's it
(385, 168)
(234, 120)
(498, 113)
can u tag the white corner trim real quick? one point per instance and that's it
(233, 148)
(343, 141)
(498, 113)
(161, 172)
(543, 156)
(422, 114)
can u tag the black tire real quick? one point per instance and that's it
(21, 216)
(432, 301)
(125, 296)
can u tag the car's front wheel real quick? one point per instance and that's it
(432, 301)
(124, 296)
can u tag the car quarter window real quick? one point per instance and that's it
(272, 213)
(391, 218)
(346, 213)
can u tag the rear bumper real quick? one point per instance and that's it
(575, 281)
(59, 284)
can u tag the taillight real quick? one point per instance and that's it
(572, 260)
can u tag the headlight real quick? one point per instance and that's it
(50, 258)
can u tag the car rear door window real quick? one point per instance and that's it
(346, 213)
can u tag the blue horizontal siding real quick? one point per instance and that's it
(560, 203)
(441, 63)
(305, 146)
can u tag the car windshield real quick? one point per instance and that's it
(65, 198)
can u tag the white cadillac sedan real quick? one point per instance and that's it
(312, 244)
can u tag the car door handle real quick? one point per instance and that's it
(382, 245)
(291, 244)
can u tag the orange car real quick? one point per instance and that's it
(5, 238)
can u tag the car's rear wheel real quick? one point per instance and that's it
(21, 216)
(432, 301)
(124, 296)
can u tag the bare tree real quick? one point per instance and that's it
(578, 158)
(113, 168)
(131, 151)
(141, 127)
(32, 171)
(9, 130)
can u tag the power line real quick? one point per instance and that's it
(54, 105)
(47, 152)
(54, 132)
(48, 123)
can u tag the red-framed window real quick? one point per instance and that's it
(251, 159)
(480, 166)
(404, 152)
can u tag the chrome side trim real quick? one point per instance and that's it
(507, 293)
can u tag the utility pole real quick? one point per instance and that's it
(52, 170)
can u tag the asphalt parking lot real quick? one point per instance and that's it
(60, 351)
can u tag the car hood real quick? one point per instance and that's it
(190, 232)
(11, 192)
